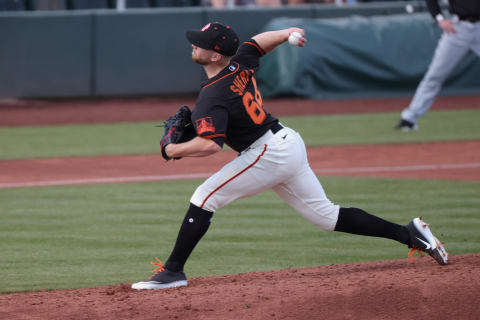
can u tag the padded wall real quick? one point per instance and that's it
(360, 57)
(91, 53)
(45, 55)
(142, 52)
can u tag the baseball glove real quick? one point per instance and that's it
(178, 129)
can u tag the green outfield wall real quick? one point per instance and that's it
(98, 53)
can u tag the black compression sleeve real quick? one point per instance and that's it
(357, 221)
(194, 226)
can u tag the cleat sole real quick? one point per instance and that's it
(152, 285)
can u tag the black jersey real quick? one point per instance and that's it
(462, 8)
(229, 108)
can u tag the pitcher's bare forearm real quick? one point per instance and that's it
(197, 147)
(269, 40)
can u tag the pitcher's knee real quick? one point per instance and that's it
(210, 199)
(202, 198)
(324, 216)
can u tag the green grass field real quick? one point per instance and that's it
(94, 235)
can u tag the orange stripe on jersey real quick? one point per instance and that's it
(215, 136)
(235, 176)
(262, 52)
(236, 70)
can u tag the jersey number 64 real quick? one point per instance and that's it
(254, 104)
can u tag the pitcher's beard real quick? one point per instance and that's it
(199, 60)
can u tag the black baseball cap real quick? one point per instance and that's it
(215, 36)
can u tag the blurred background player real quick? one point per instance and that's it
(461, 33)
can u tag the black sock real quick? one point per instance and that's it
(194, 226)
(357, 221)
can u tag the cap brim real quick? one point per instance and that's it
(197, 39)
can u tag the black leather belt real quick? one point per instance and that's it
(471, 19)
(276, 127)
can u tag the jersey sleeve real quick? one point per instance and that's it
(433, 8)
(212, 124)
(248, 54)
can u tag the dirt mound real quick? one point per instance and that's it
(394, 289)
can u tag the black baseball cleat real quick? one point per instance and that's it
(405, 125)
(162, 279)
(422, 239)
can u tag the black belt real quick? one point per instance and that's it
(276, 127)
(471, 19)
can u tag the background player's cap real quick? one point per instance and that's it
(215, 36)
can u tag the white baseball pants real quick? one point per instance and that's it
(275, 161)
(450, 50)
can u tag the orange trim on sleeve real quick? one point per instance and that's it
(215, 136)
(236, 70)
(262, 52)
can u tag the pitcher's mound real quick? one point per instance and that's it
(394, 289)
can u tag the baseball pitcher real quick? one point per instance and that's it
(229, 110)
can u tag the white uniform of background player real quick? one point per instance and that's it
(461, 35)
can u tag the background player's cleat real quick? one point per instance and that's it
(422, 239)
(162, 279)
(405, 125)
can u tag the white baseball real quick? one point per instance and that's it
(409, 8)
(294, 38)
